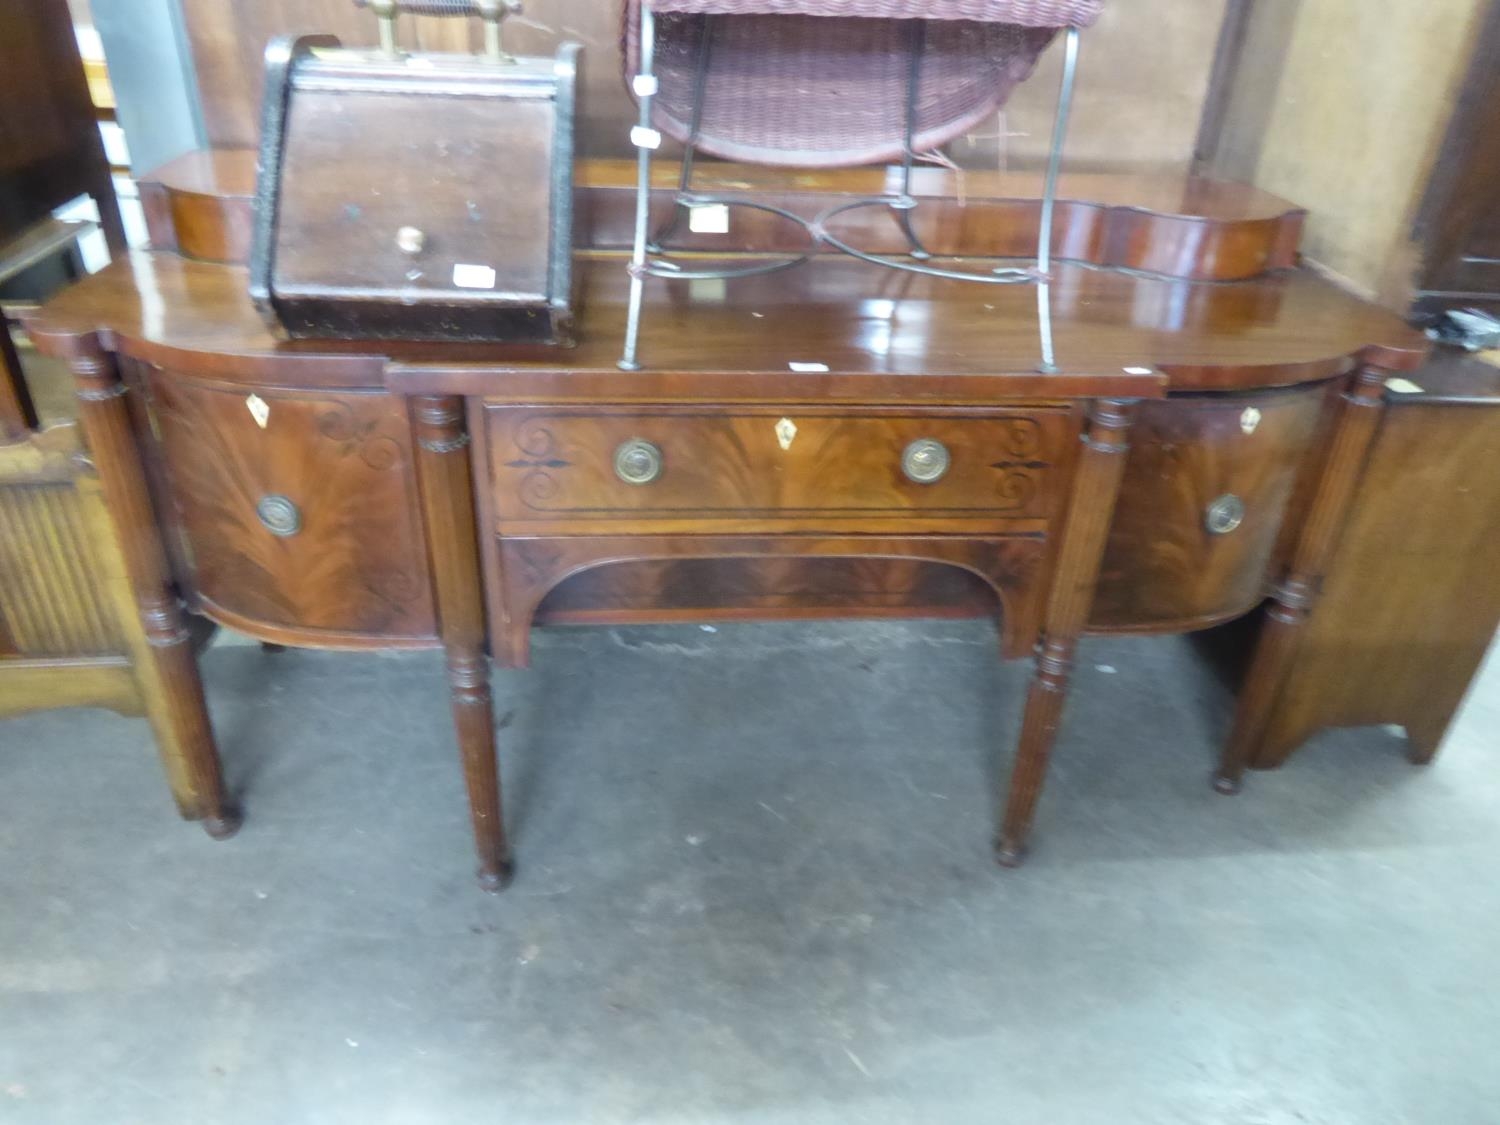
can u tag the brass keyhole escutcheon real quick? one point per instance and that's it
(925, 461)
(1225, 514)
(279, 516)
(638, 461)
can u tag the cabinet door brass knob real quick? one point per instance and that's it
(1224, 514)
(279, 516)
(925, 461)
(637, 461)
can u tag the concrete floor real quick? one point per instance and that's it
(754, 886)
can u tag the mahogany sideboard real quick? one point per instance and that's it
(1196, 456)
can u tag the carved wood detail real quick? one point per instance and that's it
(447, 491)
(166, 664)
(1295, 595)
(530, 567)
(1096, 484)
(354, 567)
(727, 464)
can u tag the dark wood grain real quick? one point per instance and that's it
(1101, 467)
(883, 337)
(1411, 599)
(1458, 228)
(522, 518)
(355, 571)
(448, 507)
(50, 148)
(1295, 593)
(1164, 570)
(663, 591)
(725, 468)
(531, 567)
(380, 188)
(202, 203)
(169, 660)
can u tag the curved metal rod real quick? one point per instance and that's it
(1005, 276)
(660, 265)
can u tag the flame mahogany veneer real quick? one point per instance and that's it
(1198, 450)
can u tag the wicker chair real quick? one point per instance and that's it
(833, 83)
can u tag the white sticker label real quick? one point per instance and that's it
(643, 137)
(644, 85)
(709, 218)
(709, 290)
(1403, 386)
(259, 409)
(467, 276)
(808, 368)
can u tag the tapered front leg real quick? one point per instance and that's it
(165, 665)
(1096, 484)
(448, 503)
(1293, 598)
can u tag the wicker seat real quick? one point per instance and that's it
(826, 83)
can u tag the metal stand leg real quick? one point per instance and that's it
(685, 176)
(1049, 202)
(906, 204)
(646, 139)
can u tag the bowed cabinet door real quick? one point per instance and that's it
(1208, 484)
(296, 511)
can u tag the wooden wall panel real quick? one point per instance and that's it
(1342, 105)
(1145, 70)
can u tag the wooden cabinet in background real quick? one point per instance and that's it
(1412, 596)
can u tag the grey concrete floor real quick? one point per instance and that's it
(754, 886)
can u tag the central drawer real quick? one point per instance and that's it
(762, 464)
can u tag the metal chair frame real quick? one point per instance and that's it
(651, 257)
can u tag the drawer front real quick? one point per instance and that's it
(1207, 485)
(763, 465)
(307, 523)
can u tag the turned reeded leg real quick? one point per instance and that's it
(1095, 487)
(1293, 598)
(448, 502)
(165, 664)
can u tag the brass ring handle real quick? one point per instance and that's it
(279, 516)
(925, 461)
(638, 461)
(1224, 514)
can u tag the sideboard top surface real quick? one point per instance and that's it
(876, 332)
